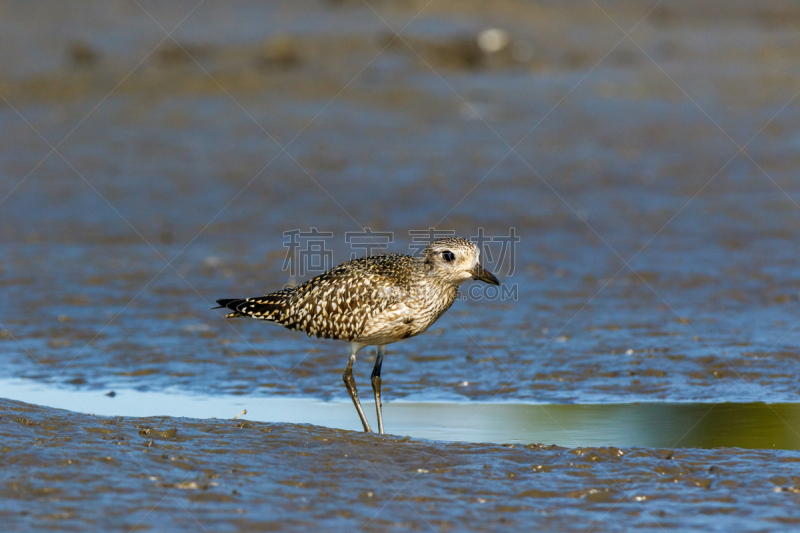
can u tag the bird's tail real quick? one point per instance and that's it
(266, 307)
(232, 304)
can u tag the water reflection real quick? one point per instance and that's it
(656, 425)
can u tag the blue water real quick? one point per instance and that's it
(655, 278)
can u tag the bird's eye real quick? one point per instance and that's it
(448, 256)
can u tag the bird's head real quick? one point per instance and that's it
(455, 260)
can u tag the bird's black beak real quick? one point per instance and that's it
(482, 274)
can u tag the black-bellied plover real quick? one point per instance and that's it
(373, 301)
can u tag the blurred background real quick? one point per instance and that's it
(645, 154)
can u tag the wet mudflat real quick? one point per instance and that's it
(75, 472)
(657, 260)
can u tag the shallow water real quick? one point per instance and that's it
(655, 425)
(656, 274)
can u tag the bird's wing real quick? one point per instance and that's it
(338, 303)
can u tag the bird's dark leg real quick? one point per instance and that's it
(350, 383)
(376, 384)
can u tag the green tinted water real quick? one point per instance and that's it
(657, 425)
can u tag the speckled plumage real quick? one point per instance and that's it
(372, 301)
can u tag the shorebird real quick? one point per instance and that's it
(372, 301)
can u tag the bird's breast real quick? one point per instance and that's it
(408, 317)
